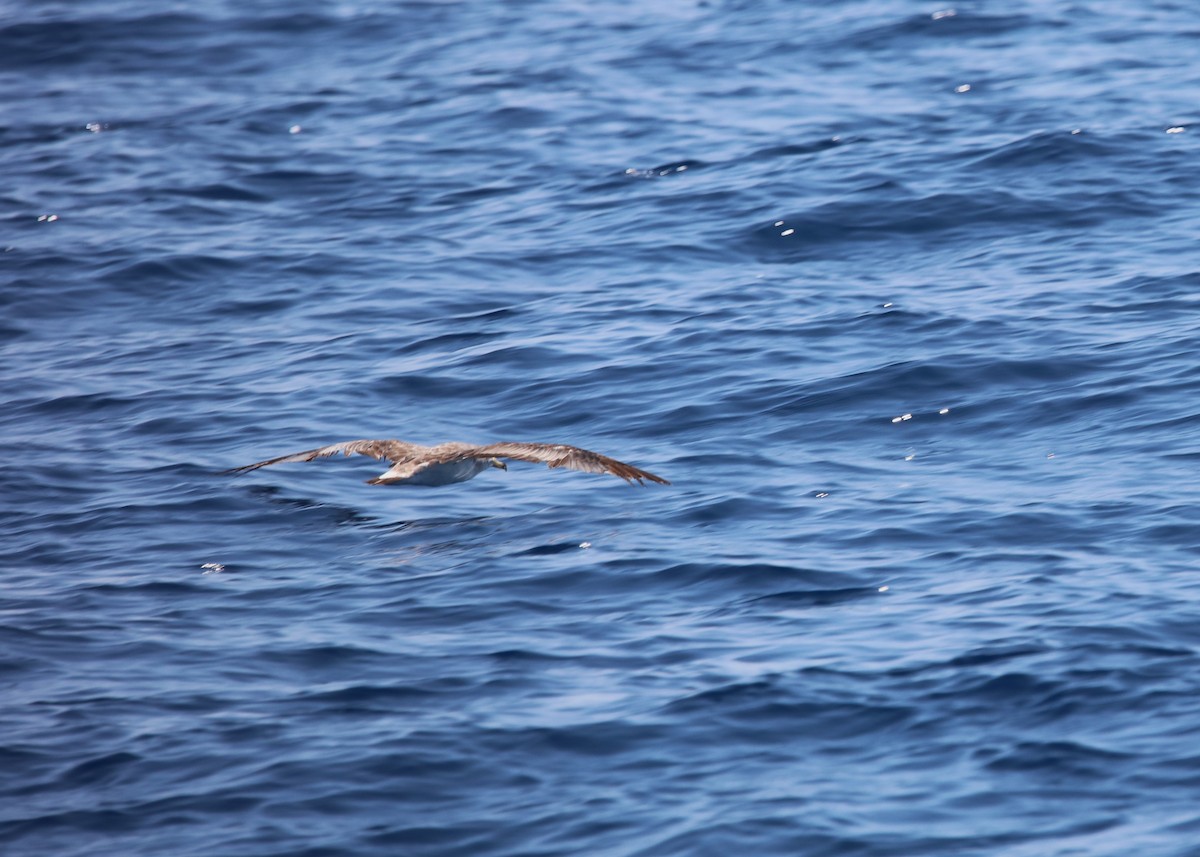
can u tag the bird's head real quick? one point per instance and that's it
(496, 462)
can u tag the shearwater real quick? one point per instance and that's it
(447, 463)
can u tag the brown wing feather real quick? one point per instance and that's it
(559, 455)
(394, 451)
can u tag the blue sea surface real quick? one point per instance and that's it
(903, 299)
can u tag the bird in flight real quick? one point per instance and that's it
(447, 463)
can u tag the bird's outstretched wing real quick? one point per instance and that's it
(394, 451)
(559, 455)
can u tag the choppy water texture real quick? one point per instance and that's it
(905, 301)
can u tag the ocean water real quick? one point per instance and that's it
(904, 299)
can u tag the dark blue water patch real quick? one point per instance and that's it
(301, 184)
(793, 150)
(151, 589)
(750, 713)
(152, 277)
(425, 386)
(466, 197)
(550, 549)
(974, 379)
(454, 341)
(106, 770)
(85, 403)
(225, 192)
(369, 699)
(68, 40)
(69, 824)
(817, 232)
(816, 597)
(18, 136)
(947, 24)
(1060, 760)
(1048, 150)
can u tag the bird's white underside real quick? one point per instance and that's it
(437, 474)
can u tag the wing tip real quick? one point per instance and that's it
(657, 480)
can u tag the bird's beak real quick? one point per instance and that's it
(496, 462)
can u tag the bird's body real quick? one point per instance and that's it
(446, 473)
(447, 463)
